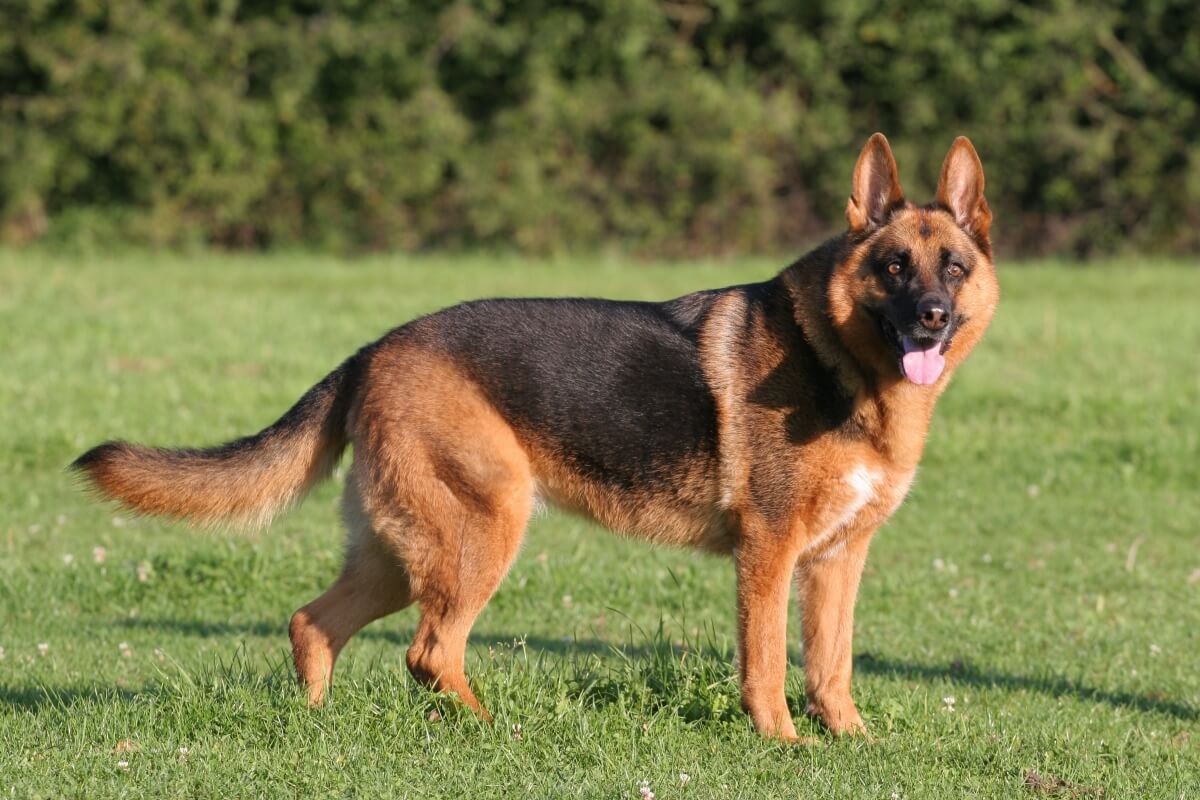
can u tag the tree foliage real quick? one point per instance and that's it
(669, 125)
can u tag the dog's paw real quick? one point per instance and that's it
(838, 715)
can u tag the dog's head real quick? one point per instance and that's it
(918, 287)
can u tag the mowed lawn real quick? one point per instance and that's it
(1029, 624)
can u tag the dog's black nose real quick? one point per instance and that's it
(933, 314)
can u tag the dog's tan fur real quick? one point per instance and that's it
(443, 483)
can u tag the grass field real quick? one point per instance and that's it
(1034, 607)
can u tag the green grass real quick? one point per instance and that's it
(1045, 571)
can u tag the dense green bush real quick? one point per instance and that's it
(673, 126)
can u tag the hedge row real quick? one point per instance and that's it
(671, 126)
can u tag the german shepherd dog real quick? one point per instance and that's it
(778, 422)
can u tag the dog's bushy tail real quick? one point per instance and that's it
(245, 482)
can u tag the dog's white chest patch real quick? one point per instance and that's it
(859, 484)
(862, 481)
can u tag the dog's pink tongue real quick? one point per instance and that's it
(922, 367)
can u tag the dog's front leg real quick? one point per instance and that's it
(828, 587)
(765, 563)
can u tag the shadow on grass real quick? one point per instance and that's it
(869, 664)
(32, 698)
(970, 675)
(866, 663)
(403, 639)
(232, 674)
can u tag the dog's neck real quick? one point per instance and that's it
(897, 418)
(893, 413)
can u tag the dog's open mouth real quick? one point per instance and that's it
(921, 360)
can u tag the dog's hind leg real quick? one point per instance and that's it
(469, 532)
(373, 584)
(448, 489)
(468, 553)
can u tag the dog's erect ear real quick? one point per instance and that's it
(960, 189)
(876, 186)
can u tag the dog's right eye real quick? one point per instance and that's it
(894, 268)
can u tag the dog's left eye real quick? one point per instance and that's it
(956, 270)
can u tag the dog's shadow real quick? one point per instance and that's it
(957, 672)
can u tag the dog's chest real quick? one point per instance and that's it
(854, 502)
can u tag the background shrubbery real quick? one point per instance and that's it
(673, 126)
